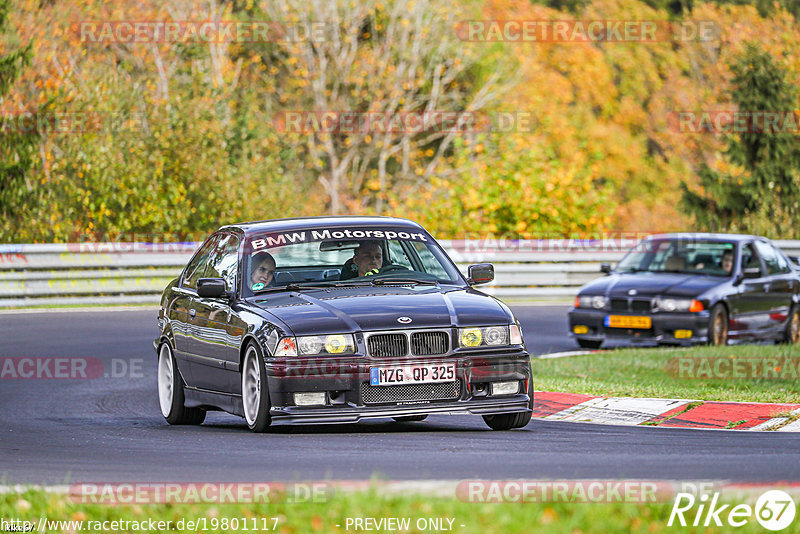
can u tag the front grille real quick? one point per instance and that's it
(387, 345)
(619, 304)
(429, 343)
(640, 305)
(410, 392)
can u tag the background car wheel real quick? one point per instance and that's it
(507, 421)
(255, 394)
(792, 333)
(409, 418)
(170, 392)
(589, 343)
(718, 326)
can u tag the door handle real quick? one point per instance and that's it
(192, 313)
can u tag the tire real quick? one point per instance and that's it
(791, 334)
(170, 392)
(255, 394)
(589, 343)
(507, 421)
(718, 326)
(410, 418)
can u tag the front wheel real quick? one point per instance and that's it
(170, 392)
(507, 421)
(792, 333)
(255, 394)
(718, 326)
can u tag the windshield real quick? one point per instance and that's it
(344, 256)
(689, 256)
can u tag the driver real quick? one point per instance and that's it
(368, 258)
(727, 261)
(262, 266)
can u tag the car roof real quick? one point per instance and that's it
(708, 235)
(308, 223)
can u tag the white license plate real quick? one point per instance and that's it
(412, 374)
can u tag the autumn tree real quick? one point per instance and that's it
(762, 192)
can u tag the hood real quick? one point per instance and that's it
(652, 284)
(352, 309)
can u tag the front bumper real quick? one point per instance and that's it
(664, 326)
(350, 398)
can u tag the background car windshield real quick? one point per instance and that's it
(678, 255)
(331, 260)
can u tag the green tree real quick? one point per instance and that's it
(764, 197)
(16, 147)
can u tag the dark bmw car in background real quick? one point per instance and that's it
(275, 321)
(692, 288)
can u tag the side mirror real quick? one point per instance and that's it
(751, 272)
(480, 273)
(211, 288)
(605, 268)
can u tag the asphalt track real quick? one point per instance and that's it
(110, 429)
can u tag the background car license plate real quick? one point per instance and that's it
(628, 321)
(412, 374)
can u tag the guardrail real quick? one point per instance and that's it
(128, 273)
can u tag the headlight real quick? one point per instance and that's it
(316, 345)
(678, 305)
(597, 302)
(488, 336)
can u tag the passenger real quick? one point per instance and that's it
(262, 270)
(368, 258)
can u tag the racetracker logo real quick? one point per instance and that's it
(203, 31)
(586, 31)
(200, 492)
(735, 367)
(69, 368)
(734, 121)
(574, 491)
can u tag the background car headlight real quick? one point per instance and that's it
(597, 302)
(487, 336)
(330, 344)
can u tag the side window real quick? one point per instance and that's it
(196, 268)
(225, 260)
(772, 259)
(431, 264)
(398, 256)
(750, 258)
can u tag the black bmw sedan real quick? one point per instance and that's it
(336, 319)
(692, 288)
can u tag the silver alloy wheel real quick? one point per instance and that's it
(165, 380)
(251, 386)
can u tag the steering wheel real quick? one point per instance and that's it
(392, 267)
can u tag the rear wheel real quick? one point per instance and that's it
(410, 418)
(589, 343)
(170, 392)
(255, 394)
(507, 421)
(792, 333)
(718, 326)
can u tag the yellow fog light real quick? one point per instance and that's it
(683, 334)
(471, 337)
(336, 344)
(580, 329)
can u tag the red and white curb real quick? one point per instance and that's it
(673, 413)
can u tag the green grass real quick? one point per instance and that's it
(324, 517)
(654, 373)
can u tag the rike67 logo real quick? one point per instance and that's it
(774, 510)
